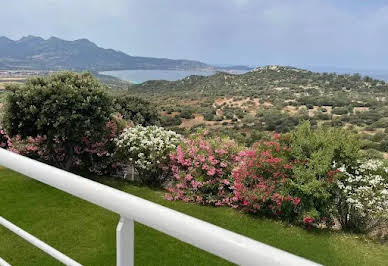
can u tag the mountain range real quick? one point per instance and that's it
(36, 53)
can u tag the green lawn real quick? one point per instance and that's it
(86, 232)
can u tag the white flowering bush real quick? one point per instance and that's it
(363, 195)
(147, 149)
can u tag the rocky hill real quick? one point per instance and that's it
(269, 80)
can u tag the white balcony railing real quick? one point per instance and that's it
(223, 243)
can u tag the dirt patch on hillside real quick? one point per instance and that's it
(360, 109)
(290, 109)
(189, 123)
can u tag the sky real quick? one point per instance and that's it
(337, 33)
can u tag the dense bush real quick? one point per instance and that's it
(187, 113)
(90, 154)
(97, 156)
(382, 123)
(137, 110)
(208, 116)
(340, 110)
(169, 121)
(147, 149)
(275, 120)
(62, 108)
(316, 151)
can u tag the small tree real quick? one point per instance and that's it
(136, 109)
(64, 107)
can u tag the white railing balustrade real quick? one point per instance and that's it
(4, 263)
(223, 243)
(38, 243)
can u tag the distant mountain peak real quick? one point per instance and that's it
(32, 52)
(53, 38)
(30, 38)
(85, 42)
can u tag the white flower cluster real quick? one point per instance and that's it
(366, 189)
(146, 147)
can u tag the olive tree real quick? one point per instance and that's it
(64, 108)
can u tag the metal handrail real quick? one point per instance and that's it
(216, 240)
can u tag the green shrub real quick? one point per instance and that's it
(65, 107)
(168, 121)
(186, 114)
(318, 150)
(340, 110)
(136, 109)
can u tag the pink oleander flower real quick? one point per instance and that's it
(211, 172)
(245, 202)
(188, 177)
(168, 196)
(194, 184)
(308, 220)
(221, 152)
(226, 182)
(296, 201)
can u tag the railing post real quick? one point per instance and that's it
(125, 245)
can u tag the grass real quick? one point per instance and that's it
(86, 232)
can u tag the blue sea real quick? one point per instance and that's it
(140, 76)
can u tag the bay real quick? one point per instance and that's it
(140, 76)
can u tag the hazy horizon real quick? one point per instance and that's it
(303, 33)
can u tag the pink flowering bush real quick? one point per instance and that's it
(216, 171)
(202, 170)
(259, 180)
(308, 221)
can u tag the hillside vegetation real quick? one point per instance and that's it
(274, 98)
(315, 176)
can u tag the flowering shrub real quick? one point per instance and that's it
(5, 141)
(308, 221)
(215, 171)
(259, 181)
(33, 148)
(97, 156)
(202, 168)
(363, 195)
(147, 148)
(94, 155)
